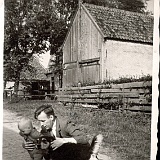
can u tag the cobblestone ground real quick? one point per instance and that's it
(12, 142)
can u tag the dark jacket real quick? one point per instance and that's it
(70, 151)
(67, 129)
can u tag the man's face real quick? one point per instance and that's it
(46, 121)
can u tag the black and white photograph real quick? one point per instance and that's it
(79, 78)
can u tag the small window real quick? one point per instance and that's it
(106, 73)
(106, 53)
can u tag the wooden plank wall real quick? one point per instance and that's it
(127, 96)
(90, 38)
(90, 74)
(83, 42)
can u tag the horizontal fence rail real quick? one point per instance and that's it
(126, 96)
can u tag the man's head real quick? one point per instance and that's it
(45, 114)
(25, 126)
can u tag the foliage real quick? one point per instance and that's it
(128, 5)
(27, 28)
(123, 79)
(33, 27)
(65, 10)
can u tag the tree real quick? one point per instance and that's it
(27, 30)
(128, 5)
(65, 10)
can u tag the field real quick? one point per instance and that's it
(126, 133)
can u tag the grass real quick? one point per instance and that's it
(127, 133)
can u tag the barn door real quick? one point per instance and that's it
(90, 71)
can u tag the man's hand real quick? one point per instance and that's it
(57, 143)
(28, 145)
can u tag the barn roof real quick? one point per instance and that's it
(120, 24)
(38, 74)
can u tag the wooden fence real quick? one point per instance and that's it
(40, 95)
(126, 96)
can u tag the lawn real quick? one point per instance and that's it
(127, 133)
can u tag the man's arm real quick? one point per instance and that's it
(75, 132)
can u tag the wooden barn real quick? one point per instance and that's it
(105, 43)
(35, 84)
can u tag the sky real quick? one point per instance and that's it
(150, 5)
(44, 59)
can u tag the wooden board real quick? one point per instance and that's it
(131, 86)
(78, 101)
(103, 96)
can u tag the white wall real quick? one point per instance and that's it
(127, 59)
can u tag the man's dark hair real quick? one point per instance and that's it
(46, 108)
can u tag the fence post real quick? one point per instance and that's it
(124, 104)
(5, 94)
(46, 97)
(24, 96)
(10, 98)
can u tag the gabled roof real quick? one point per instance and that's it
(38, 74)
(120, 24)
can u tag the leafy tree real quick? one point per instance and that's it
(65, 10)
(128, 5)
(28, 24)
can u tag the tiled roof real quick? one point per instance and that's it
(38, 74)
(124, 25)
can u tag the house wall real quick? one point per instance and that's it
(126, 59)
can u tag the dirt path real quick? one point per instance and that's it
(12, 142)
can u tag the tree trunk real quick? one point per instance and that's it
(16, 87)
(4, 84)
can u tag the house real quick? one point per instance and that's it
(106, 43)
(34, 82)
